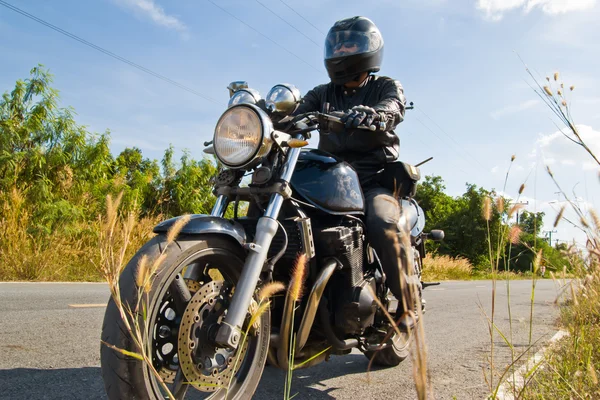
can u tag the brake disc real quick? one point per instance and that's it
(205, 366)
(165, 357)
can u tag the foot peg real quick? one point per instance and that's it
(427, 284)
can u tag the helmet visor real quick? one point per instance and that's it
(346, 43)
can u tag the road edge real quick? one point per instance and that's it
(505, 392)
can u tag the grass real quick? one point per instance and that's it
(572, 366)
(445, 268)
(57, 256)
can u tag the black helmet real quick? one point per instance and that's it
(353, 45)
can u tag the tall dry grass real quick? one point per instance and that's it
(29, 255)
(441, 267)
(570, 369)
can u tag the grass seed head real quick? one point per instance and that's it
(176, 228)
(500, 204)
(548, 91)
(556, 75)
(559, 216)
(142, 271)
(537, 261)
(269, 290)
(515, 234)
(512, 158)
(595, 218)
(572, 87)
(559, 92)
(549, 171)
(298, 276)
(514, 209)
(584, 222)
(487, 208)
(521, 188)
(564, 103)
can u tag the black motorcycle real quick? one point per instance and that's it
(302, 203)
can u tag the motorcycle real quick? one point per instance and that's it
(200, 333)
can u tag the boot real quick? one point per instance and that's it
(404, 320)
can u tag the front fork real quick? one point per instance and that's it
(229, 333)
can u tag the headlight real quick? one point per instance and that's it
(244, 96)
(283, 99)
(243, 134)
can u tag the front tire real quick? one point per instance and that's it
(129, 378)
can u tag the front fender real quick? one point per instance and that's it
(201, 223)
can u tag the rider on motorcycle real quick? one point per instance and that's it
(353, 51)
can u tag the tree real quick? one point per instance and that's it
(460, 217)
(531, 222)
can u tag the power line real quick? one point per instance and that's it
(451, 138)
(263, 35)
(298, 14)
(281, 18)
(436, 135)
(107, 52)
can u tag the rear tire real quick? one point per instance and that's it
(128, 378)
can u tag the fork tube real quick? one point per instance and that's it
(229, 333)
(220, 206)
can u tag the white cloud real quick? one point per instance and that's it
(495, 9)
(555, 148)
(512, 109)
(149, 9)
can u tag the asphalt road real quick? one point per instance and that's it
(50, 350)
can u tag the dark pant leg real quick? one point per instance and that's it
(389, 240)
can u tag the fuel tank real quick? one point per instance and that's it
(328, 183)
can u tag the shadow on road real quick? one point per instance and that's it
(86, 383)
(75, 383)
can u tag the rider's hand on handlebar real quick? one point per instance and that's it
(360, 115)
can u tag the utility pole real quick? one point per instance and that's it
(523, 203)
(549, 236)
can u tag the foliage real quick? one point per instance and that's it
(531, 222)
(460, 218)
(54, 179)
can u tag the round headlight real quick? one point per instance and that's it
(243, 134)
(283, 99)
(244, 96)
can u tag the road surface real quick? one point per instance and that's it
(49, 344)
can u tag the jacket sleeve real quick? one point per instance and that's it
(311, 101)
(392, 103)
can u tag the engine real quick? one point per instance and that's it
(352, 294)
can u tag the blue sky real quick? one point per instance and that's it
(456, 59)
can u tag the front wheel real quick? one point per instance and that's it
(188, 299)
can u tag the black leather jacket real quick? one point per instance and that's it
(367, 151)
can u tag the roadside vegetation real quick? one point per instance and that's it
(568, 369)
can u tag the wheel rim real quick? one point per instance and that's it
(167, 319)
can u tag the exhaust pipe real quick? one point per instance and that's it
(331, 264)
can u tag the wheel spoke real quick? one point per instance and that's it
(179, 386)
(181, 294)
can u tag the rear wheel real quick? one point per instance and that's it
(187, 301)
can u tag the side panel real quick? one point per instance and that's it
(328, 183)
(412, 217)
(200, 223)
